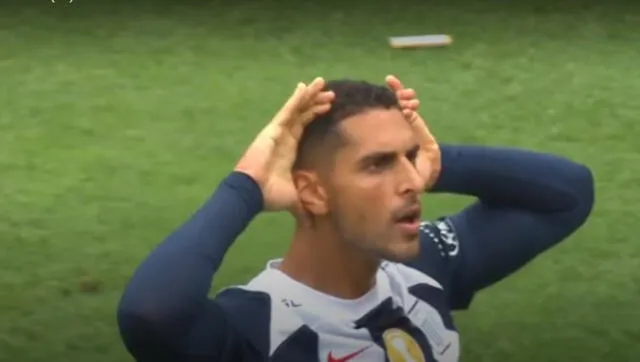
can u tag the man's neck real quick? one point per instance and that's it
(328, 265)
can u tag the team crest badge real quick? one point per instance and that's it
(401, 347)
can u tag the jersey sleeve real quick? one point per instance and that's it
(208, 337)
(164, 313)
(235, 326)
(526, 203)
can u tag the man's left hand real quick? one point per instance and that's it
(429, 158)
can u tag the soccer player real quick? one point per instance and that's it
(364, 279)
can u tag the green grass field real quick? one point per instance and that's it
(117, 120)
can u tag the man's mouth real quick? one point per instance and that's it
(409, 220)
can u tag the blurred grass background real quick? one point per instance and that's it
(117, 120)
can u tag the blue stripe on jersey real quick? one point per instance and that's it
(388, 316)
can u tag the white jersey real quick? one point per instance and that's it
(347, 330)
(406, 317)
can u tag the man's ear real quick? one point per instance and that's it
(311, 194)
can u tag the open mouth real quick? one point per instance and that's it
(409, 220)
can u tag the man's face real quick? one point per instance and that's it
(374, 188)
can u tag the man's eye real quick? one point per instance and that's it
(412, 156)
(380, 164)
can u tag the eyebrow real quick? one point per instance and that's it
(376, 156)
(385, 155)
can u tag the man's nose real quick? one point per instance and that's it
(411, 181)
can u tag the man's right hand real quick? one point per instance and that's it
(269, 159)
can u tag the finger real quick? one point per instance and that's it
(317, 84)
(292, 103)
(412, 104)
(393, 83)
(324, 97)
(320, 108)
(410, 115)
(314, 88)
(419, 124)
(407, 93)
(314, 112)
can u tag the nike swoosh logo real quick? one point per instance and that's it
(444, 349)
(346, 358)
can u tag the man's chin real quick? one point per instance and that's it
(402, 251)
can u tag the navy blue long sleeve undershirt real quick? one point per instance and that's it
(527, 202)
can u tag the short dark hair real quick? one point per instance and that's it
(352, 97)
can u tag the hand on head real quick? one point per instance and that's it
(271, 155)
(429, 158)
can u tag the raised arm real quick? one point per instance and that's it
(164, 313)
(527, 203)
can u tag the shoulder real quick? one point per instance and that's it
(440, 236)
(408, 283)
(403, 276)
(435, 261)
(261, 312)
(439, 250)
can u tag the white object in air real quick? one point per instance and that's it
(420, 41)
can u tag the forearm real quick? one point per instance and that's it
(528, 202)
(506, 177)
(174, 280)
